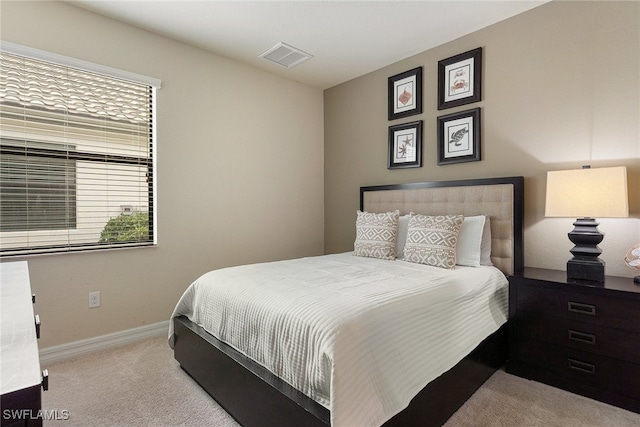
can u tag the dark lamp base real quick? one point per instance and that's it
(636, 280)
(585, 264)
(586, 269)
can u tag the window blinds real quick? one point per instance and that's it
(76, 159)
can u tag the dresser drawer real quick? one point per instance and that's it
(596, 309)
(608, 374)
(585, 336)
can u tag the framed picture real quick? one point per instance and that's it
(405, 94)
(460, 79)
(405, 145)
(459, 137)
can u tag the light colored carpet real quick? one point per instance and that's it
(139, 384)
(506, 400)
(142, 385)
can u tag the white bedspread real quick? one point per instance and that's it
(361, 336)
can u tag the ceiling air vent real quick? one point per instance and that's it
(285, 55)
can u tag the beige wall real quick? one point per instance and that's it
(241, 151)
(240, 173)
(561, 89)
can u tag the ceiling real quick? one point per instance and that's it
(346, 38)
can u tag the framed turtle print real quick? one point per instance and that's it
(460, 79)
(405, 94)
(405, 146)
(459, 137)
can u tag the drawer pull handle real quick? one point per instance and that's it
(582, 337)
(45, 380)
(582, 366)
(37, 320)
(577, 307)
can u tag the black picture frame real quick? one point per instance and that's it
(405, 146)
(459, 137)
(405, 94)
(460, 79)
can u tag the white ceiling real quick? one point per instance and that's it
(346, 38)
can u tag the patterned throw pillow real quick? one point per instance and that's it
(432, 240)
(376, 234)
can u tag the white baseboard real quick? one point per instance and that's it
(77, 348)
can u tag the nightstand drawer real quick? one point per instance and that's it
(585, 336)
(606, 373)
(597, 309)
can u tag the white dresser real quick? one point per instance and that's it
(21, 380)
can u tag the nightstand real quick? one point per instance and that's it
(583, 337)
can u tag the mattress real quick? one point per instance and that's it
(361, 336)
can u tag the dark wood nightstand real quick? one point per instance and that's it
(580, 336)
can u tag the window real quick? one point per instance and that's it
(77, 155)
(36, 192)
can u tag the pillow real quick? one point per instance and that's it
(432, 240)
(376, 235)
(468, 249)
(485, 246)
(401, 239)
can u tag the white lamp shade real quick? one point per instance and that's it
(593, 193)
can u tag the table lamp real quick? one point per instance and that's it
(586, 194)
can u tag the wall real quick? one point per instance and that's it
(561, 89)
(240, 157)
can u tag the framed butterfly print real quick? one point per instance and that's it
(405, 94)
(459, 137)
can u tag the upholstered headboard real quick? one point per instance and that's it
(502, 199)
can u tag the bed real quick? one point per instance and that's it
(376, 364)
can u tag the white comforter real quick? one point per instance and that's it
(361, 336)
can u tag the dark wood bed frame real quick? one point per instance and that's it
(254, 397)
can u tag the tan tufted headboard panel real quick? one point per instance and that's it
(499, 198)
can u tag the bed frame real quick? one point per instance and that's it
(255, 397)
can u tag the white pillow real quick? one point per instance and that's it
(403, 227)
(468, 249)
(376, 235)
(485, 247)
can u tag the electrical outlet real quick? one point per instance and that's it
(94, 299)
